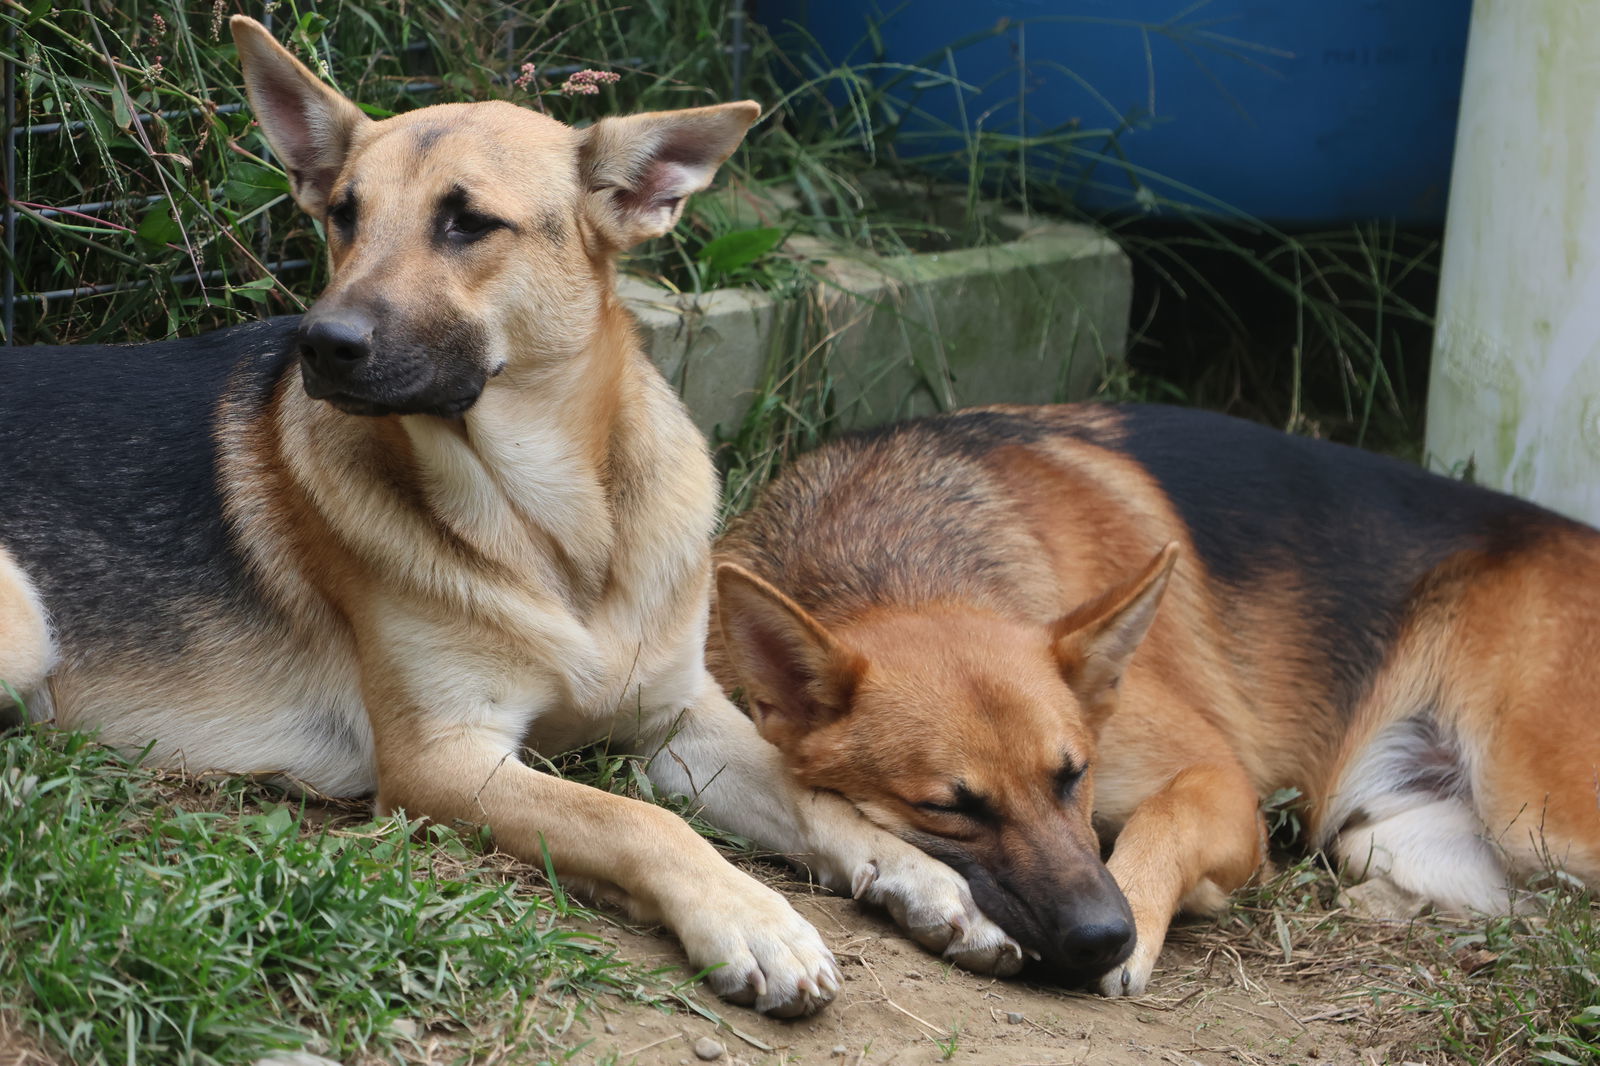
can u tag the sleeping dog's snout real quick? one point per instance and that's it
(1094, 931)
(1062, 905)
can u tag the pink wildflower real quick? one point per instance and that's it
(588, 82)
(524, 79)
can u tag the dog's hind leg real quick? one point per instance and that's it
(712, 753)
(1403, 810)
(1430, 847)
(1460, 813)
(1483, 767)
(26, 649)
(1539, 792)
(1533, 720)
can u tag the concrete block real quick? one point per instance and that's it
(1037, 319)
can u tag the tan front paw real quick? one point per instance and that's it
(758, 951)
(932, 903)
(1130, 978)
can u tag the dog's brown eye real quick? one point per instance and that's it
(343, 215)
(470, 225)
(456, 223)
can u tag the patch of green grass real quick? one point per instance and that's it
(145, 922)
(1520, 989)
(1480, 991)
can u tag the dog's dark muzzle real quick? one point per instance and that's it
(1081, 926)
(426, 402)
(1068, 911)
(338, 364)
(336, 351)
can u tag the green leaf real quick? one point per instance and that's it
(312, 25)
(740, 248)
(158, 228)
(255, 291)
(1285, 942)
(250, 185)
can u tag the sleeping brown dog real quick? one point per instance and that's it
(1016, 636)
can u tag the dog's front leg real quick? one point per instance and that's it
(1186, 847)
(454, 771)
(712, 753)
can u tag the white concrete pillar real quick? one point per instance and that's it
(1516, 362)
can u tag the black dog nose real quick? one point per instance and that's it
(335, 344)
(1098, 946)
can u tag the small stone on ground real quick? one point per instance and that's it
(1382, 899)
(707, 1049)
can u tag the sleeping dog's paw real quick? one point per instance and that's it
(1130, 978)
(931, 902)
(758, 950)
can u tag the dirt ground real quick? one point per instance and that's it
(900, 1005)
(1260, 986)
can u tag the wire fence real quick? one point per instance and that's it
(10, 296)
(18, 290)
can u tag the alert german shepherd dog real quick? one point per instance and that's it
(954, 624)
(450, 512)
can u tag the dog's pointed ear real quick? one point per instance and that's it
(637, 169)
(1095, 642)
(796, 675)
(309, 126)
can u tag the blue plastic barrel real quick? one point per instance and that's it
(1293, 111)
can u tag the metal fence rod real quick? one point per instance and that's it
(98, 205)
(75, 126)
(8, 291)
(123, 286)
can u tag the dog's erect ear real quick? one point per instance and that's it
(309, 126)
(796, 676)
(1094, 642)
(637, 169)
